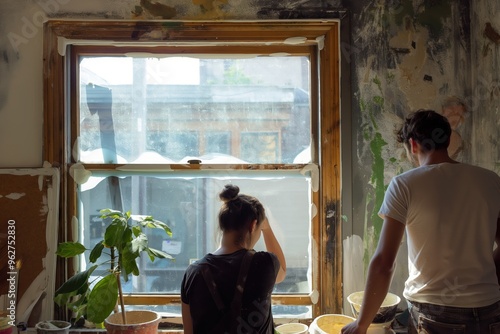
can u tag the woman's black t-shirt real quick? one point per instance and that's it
(256, 316)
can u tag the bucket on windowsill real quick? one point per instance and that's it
(53, 327)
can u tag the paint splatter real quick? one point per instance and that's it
(377, 180)
(158, 9)
(208, 5)
(491, 33)
(15, 196)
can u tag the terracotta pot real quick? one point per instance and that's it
(138, 322)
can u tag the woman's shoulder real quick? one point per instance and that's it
(266, 257)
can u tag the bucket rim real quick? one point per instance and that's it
(156, 319)
(66, 325)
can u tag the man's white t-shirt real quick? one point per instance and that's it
(450, 212)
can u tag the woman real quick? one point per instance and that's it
(229, 290)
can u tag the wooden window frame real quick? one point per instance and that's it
(326, 226)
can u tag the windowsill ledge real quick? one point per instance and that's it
(32, 330)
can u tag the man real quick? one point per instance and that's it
(451, 214)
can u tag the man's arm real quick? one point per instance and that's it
(380, 273)
(496, 253)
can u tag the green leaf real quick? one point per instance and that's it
(113, 235)
(96, 252)
(136, 230)
(70, 249)
(76, 282)
(129, 266)
(102, 299)
(64, 298)
(155, 253)
(140, 243)
(112, 214)
(149, 222)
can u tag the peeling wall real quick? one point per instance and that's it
(402, 55)
(410, 55)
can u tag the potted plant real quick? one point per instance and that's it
(123, 242)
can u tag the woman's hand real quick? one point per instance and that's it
(265, 224)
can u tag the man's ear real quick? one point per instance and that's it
(413, 146)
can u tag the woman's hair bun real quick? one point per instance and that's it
(229, 193)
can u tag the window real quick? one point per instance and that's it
(156, 117)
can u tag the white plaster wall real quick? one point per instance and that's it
(21, 87)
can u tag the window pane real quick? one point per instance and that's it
(189, 206)
(255, 110)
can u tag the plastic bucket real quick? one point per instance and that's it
(385, 314)
(53, 327)
(292, 328)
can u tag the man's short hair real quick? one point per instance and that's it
(428, 128)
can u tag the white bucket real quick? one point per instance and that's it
(292, 328)
(53, 327)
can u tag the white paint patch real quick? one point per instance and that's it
(279, 54)
(314, 210)
(75, 150)
(79, 173)
(314, 295)
(35, 291)
(45, 207)
(295, 40)
(321, 42)
(354, 269)
(314, 171)
(62, 43)
(15, 196)
(74, 228)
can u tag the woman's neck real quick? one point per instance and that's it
(231, 242)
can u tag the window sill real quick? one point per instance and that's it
(32, 330)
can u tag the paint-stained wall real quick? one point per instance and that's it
(400, 55)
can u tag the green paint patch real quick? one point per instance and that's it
(172, 24)
(429, 14)
(378, 100)
(377, 179)
(405, 9)
(390, 77)
(433, 15)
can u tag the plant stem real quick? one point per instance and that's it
(120, 293)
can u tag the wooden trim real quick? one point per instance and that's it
(103, 50)
(238, 32)
(193, 166)
(331, 236)
(176, 299)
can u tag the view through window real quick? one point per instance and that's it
(229, 110)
